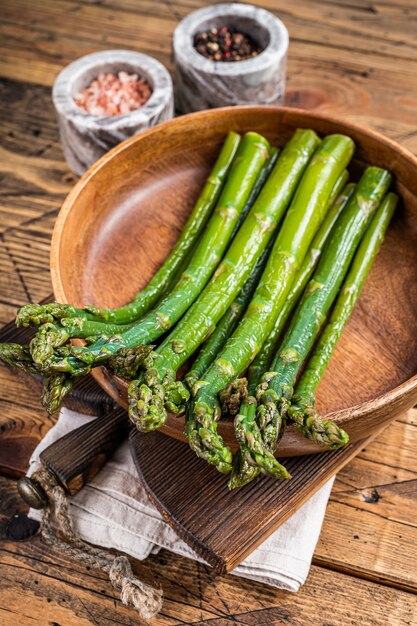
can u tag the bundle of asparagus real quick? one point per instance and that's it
(274, 240)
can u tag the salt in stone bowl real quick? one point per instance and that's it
(85, 138)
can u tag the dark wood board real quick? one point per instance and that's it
(40, 587)
(224, 527)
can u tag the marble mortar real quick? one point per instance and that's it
(85, 138)
(201, 83)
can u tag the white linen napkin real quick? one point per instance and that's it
(114, 511)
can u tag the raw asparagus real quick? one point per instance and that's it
(341, 193)
(250, 157)
(267, 168)
(302, 410)
(245, 466)
(18, 356)
(264, 358)
(127, 360)
(304, 216)
(236, 392)
(233, 271)
(231, 318)
(276, 389)
(227, 324)
(35, 315)
(55, 388)
(52, 335)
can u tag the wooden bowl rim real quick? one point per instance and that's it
(340, 416)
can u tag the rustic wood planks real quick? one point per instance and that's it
(354, 58)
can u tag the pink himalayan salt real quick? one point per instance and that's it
(114, 95)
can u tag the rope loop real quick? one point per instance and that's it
(56, 522)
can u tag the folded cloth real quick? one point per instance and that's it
(114, 511)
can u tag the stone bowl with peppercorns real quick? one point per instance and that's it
(229, 54)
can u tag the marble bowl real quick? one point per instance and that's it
(85, 138)
(201, 83)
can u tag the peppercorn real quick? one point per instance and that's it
(225, 45)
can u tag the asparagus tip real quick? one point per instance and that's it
(176, 397)
(18, 356)
(323, 432)
(233, 395)
(127, 361)
(38, 314)
(146, 406)
(55, 389)
(201, 432)
(48, 337)
(243, 471)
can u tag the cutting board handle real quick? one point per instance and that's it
(74, 459)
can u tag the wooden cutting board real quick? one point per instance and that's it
(222, 527)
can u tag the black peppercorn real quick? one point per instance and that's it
(225, 45)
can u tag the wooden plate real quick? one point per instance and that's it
(121, 219)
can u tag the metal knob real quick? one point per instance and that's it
(32, 492)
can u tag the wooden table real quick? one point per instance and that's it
(353, 58)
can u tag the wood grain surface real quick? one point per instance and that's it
(353, 58)
(225, 527)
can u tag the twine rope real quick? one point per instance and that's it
(133, 592)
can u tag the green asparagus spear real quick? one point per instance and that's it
(232, 396)
(18, 356)
(194, 226)
(35, 315)
(250, 157)
(227, 324)
(304, 216)
(235, 268)
(127, 361)
(302, 411)
(53, 335)
(55, 388)
(276, 389)
(236, 392)
(338, 201)
(230, 320)
(245, 465)
(267, 168)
